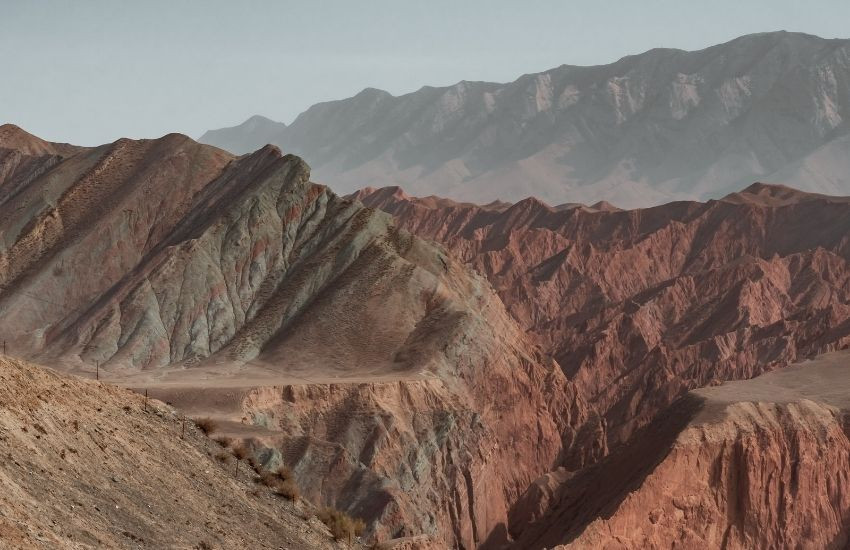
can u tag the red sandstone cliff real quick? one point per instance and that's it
(641, 306)
(761, 463)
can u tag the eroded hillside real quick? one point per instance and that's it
(639, 306)
(89, 465)
(384, 373)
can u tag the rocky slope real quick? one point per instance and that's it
(659, 126)
(87, 465)
(389, 377)
(640, 306)
(763, 463)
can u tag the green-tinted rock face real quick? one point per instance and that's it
(384, 373)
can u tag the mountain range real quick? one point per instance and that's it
(651, 128)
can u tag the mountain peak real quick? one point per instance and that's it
(373, 93)
(259, 122)
(14, 137)
(772, 194)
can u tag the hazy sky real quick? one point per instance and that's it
(89, 72)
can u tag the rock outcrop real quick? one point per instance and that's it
(650, 128)
(640, 306)
(762, 463)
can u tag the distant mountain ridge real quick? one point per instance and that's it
(659, 126)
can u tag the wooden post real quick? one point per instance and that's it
(97, 370)
(183, 428)
(236, 474)
(4, 347)
(146, 400)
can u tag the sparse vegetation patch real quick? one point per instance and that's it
(342, 526)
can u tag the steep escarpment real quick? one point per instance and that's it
(388, 376)
(640, 306)
(88, 465)
(761, 463)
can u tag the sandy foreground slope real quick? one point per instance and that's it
(86, 465)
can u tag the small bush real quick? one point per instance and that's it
(287, 489)
(206, 425)
(268, 479)
(222, 456)
(285, 473)
(241, 452)
(224, 441)
(342, 525)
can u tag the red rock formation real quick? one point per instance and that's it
(763, 463)
(640, 306)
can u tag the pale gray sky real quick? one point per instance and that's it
(90, 71)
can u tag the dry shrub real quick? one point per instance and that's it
(342, 525)
(285, 473)
(241, 452)
(222, 456)
(287, 489)
(268, 479)
(206, 425)
(224, 441)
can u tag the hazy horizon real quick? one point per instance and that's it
(98, 71)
